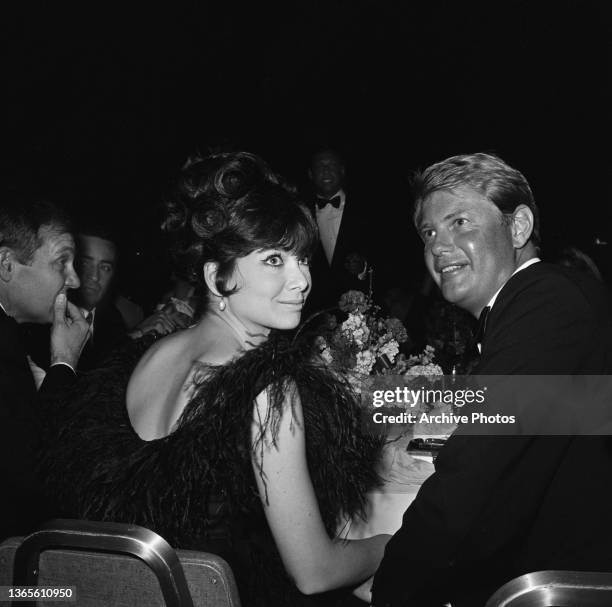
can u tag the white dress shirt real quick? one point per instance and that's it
(85, 314)
(328, 220)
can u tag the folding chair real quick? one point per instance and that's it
(115, 564)
(555, 589)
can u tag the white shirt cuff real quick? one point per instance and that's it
(67, 365)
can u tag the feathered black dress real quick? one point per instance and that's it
(196, 487)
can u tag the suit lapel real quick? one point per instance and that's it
(505, 298)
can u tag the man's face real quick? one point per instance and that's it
(35, 286)
(327, 173)
(96, 262)
(469, 250)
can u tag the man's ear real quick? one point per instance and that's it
(210, 277)
(7, 263)
(522, 226)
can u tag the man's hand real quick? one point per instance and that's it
(69, 332)
(163, 322)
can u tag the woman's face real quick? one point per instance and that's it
(272, 287)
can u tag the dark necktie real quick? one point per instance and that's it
(89, 317)
(473, 353)
(482, 325)
(335, 202)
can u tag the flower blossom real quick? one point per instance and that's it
(428, 369)
(356, 328)
(353, 301)
(390, 349)
(365, 362)
(397, 329)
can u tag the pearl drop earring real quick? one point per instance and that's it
(222, 304)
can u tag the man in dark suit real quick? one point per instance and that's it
(36, 270)
(97, 265)
(341, 260)
(500, 506)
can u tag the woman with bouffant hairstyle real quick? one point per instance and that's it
(225, 436)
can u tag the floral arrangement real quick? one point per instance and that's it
(366, 343)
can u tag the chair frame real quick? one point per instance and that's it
(132, 540)
(555, 588)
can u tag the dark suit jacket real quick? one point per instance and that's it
(498, 507)
(22, 505)
(331, 281)
(109, 331)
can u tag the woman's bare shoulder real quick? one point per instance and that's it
(161, 356)
(160, 385)
(155, 385)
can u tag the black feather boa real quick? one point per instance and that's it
(197, 484)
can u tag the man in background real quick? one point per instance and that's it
(97, 267)
(341, 260)
(36, 271)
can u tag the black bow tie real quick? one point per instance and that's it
(482, 325)
(335, 202)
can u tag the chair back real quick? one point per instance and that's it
(116, 564)
(555, 589)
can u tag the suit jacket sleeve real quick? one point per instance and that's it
(58, 377)
(485, 491)
(20, 419)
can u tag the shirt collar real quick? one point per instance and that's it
(86, 313)
(3, 309)
(528, 263)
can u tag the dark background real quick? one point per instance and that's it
(104, 105)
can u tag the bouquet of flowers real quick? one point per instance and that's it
(367, 343)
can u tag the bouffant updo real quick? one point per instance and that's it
(226, 206)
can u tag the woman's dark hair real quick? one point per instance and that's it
(225, 207)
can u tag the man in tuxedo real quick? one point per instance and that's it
(341, 260)
(501, 506)
(36, 271)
